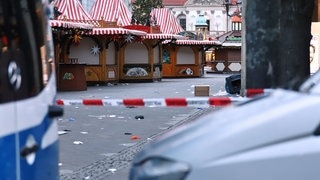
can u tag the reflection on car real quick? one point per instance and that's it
(275, 137)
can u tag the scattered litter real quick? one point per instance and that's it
(149, 139)
(112, 170)
(134, 137)
(83, 132)
(62, 132)
(98, 116)
(139, 117)
(76, 107)
(60, 164)
(128, 144)
(87, 177)
(163, 128)
(77, 142)
(221, 93)
(127, 133)
(112, 116)
(72, 119)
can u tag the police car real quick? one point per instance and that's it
(28, 132)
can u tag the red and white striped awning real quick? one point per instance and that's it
(112, 11)
(197, 42)
(67, 24)
(111, 31)
(72, 10)
(194, 42)
(166, 20)
(163, 36)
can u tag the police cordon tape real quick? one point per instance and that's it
(258, 91)
(155, 102)
(166, 102)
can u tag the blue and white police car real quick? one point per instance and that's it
(28, 132)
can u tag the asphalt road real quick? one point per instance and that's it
(99, 142)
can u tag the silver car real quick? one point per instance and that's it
(271, 137)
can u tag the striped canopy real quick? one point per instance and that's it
(111, 10)
(71, 25)
(194, 42)
(166, 20)
(72, 10)
(163, 36)
(113, 31)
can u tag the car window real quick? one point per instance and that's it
(312, 85)
(22, 75)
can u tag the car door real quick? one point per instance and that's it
(29, 147)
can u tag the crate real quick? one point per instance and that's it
(201, 90)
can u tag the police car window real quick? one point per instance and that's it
(23, 50)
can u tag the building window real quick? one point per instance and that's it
(182, 21)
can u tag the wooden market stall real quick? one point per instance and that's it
(185, 58)
(69, 24)
(141, 60)
(228, 56)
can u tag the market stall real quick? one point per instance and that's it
(228, 56)
(141, 59)
(70, 22)
(185, 58)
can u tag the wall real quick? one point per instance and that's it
(84, 51)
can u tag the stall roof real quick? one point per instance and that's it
(72, 10)
(196, 42)
(68, 24)
(163, 36)
(112, 31)
(112, 11)
(166, 20)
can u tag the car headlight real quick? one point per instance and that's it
(160, 169)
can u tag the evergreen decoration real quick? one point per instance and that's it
(141, 10)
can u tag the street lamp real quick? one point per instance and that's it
(227, 4)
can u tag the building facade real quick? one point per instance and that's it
(216, 12)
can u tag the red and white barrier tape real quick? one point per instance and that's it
(254, 92)
(156, 102)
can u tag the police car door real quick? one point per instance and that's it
(29, 147)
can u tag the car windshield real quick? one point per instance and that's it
(312, 85)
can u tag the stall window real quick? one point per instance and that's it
(165, 56)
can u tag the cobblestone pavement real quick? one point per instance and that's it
(107, 167)
(80, 162)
